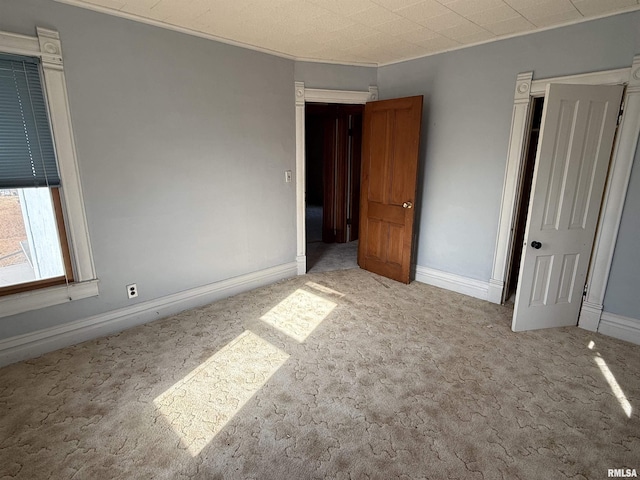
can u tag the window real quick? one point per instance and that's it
(33, 247)
(34, 251)
(45, 253)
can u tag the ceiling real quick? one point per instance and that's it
(373, 32)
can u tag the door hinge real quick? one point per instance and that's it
(620, 113)
(348, 221)
(584, 291)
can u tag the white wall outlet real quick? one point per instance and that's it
(287, 176)
(132, 290)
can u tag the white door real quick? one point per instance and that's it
(576, 137)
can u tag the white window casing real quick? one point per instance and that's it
(47, 47)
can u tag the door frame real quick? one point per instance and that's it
(303, 95)
(615, 192)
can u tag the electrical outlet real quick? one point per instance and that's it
(132, 290)
(287, 176)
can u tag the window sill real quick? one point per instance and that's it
(46, 297)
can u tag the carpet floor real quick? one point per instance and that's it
(335, 375)
(326, 257)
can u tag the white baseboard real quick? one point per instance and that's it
(450, 281)
(33, 344)
(624, 328)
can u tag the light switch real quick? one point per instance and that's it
(287, 176)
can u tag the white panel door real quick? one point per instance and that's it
(576, 138)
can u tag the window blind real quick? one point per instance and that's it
(27, 156)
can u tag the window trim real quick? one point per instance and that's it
(46, 46)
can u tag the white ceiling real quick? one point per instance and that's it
(375, 32)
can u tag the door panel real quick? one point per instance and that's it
(391, 137)
(568, 277)
(378, 179)
(577, 132)
(375, 229)
(541, 280)
(396, 234)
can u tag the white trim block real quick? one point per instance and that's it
(617, 326)
(590, 314)
(301, 260)
(33, 344)
(450, 281)
(494, 294)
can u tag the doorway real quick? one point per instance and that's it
(303, 96)
(333, 139)
(578, 128)
(526, 89)
(528, 166)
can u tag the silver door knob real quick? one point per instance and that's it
(407, 205)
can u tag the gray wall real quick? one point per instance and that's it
(467, 113)
(623, 289)
(182, 145)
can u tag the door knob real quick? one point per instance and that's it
(536, 245)
(407, 205)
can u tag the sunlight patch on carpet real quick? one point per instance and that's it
(299, 314)
(613, 384)
(202, 403)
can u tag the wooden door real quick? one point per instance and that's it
(576, 138)
(390, 143)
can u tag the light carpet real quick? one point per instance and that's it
(334, 375)
(326, 257)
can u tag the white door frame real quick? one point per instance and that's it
(615, 189)
(303, 95)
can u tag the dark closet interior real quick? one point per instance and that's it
(333, 158)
